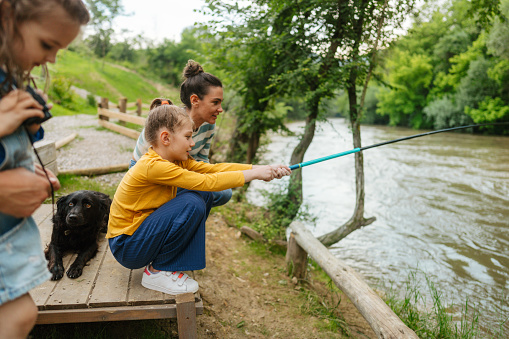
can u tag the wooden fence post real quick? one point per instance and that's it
(186, 316)
(48, 154)
(122, 107)
(138, 106)
(384, 322)
(104, 104)
(296, 259)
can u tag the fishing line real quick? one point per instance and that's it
(359, 149)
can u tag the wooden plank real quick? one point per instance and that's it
(42, 293)
(110, 274)
(42, 213)
(104, 291)
(162, 311)
(46, 150)
(52, 166)
(139, 295)
(384, 322)
(46, 228)
(64, 141)
(42, 217)
(120, 129)
(97, 170)
(122, 116)
(186, 316)
(75, 293)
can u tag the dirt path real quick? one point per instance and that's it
(247, 293)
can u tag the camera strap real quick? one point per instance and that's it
(43, 168)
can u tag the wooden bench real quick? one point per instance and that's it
(107, 291)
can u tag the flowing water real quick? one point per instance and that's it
(441, 204)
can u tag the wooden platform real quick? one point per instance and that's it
(106, 291)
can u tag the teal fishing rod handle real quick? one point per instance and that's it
(311, 162)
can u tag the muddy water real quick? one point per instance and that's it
(441, 204)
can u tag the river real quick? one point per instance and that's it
(441, 204)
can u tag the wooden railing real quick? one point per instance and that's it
(123, 116)
(384, 322)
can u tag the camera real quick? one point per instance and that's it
(31, 91)
(45, 110)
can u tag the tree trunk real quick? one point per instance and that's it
(357, 220)
(295, 187)
(252, 147)
(236, 152)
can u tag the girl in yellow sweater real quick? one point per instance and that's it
(149, 225)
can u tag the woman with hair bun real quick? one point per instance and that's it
(202, 95)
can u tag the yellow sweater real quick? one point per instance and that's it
(154, 181)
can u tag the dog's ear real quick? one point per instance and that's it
(104, 203)
(104, 200)
(62, 203)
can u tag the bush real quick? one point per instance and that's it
(61, 93)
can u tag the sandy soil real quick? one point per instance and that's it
(248, 294)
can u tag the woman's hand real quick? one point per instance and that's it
(22, 191)
(15, 107)
(52, 177)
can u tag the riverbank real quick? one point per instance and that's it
(441, 205)
(245, 287)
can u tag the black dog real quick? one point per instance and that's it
(79, 219)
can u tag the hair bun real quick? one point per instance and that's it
(192, 69)
(158, 102)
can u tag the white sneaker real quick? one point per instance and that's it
(169, 282)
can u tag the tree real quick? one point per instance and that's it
(410, 76)
(103, 12)
(317, 47)
(250, 57)
(167, 59)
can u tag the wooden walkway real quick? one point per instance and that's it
(106, 291)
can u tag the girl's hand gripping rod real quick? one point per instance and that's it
(355, 150)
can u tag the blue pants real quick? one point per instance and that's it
(172, 238)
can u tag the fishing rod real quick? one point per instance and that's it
(359, 149)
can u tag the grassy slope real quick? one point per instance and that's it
(108, 80)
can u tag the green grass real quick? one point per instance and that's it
(432, 318)
(58, 110)
(107, 80)
(72, 183)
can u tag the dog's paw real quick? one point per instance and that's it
(74, 271)
(57, 272)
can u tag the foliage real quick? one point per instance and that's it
(60, 93)
(103, 12)
(437, 321)
(326, 308)
(450, 69)
(268, 221)
(167, 59)
(410, 76)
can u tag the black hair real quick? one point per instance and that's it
(196, 82)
